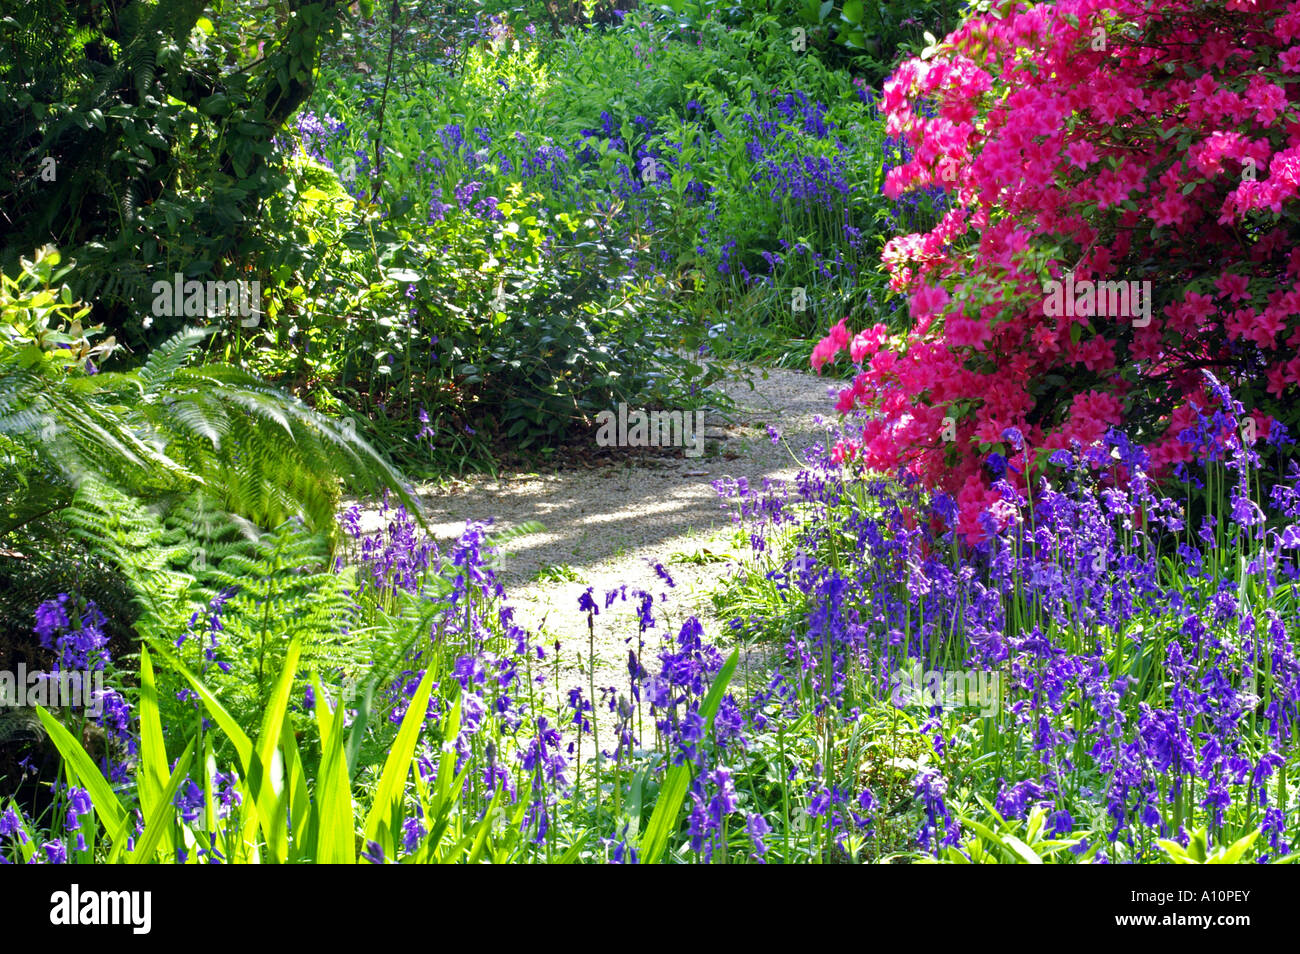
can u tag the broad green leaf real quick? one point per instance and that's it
(301, 817)
(160, 822)
(266, 777)
(392, 781)
(1023, 851)
(152, 772)
(335, 836)
(92, 780)
(1234, 854)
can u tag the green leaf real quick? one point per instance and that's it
(1023, 851)
(571, 856)
(92, 780)
(266, 776)
(1175, 851)
(160, 822)
(335, 837)
(1234, 854)
(250, 809)
(301, 817)
(986, 833)
(385, 811)
(483, 827)
(152, 770)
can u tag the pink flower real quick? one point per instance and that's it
(928, 300)
(826, 349)
(1081, 154)
(866, 343)
(1233, 287)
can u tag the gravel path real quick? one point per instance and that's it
(607, 525)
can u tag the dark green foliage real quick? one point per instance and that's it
(868, 37)
(159, 123)
(505, 332)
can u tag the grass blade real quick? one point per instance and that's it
(152, 773)
(380, 825)
(163, 817)
(335, 837)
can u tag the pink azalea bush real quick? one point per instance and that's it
(1125, 142)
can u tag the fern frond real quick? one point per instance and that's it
(132, 539)
(169, 357)
(279, 588)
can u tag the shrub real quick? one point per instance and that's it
(1128, 144)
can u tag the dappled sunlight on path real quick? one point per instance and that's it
(608, 527)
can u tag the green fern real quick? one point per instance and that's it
(142, 62)
(132, 538)
(170, 473)
(168, 428)
(277, 589)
